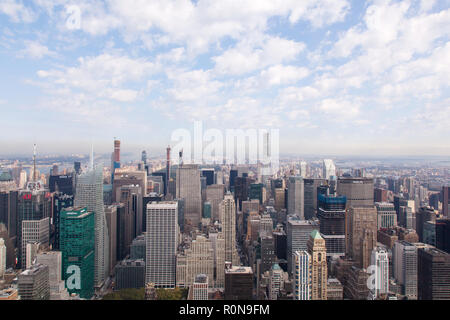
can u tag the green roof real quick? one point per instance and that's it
(276, 266)
(5, 176)
(316, 235)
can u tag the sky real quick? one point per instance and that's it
(334, 76)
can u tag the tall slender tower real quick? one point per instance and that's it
(228, 214)
(168, 168)
(115, 161)
(319, 272)
(2, 258)
(89, 194)
(34, 164)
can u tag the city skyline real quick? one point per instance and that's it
(317, 70)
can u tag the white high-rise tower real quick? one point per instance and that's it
(328, 169)
(2, 258)
(89, 193)
(161, 241)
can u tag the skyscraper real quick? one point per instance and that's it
(89, 194)
(358, 191)
(2, 258)
(361, 235)
(214, 195)
(328, 169)
(189, 188)
(239, 283)
(319, 272)
(433, 274)
(34, 204)
(78, 249)
(228, 214)
(446, 201)
(298, 232)
(380, 260)
(162, 242)
(296, 197)
(34, 232)
(387, 217)
(404, 256)
(331, 214)
(310, 198)
(302, 275)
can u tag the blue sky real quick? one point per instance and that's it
(335, 76)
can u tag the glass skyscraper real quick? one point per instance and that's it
(78, 249)
(89, 194)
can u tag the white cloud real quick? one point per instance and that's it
(248, 56)
(35, 50)
(17, 11)
(105, 75)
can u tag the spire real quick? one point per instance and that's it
(91, 162)
(34, 163)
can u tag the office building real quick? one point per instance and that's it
(404, 256)
(268, 257)
(361, 235)
(111, 222)
(310, 198)
(77, 245)
(335, 290)
(130, 274)
(358, 191)
(208, 173)
(33, 283)
(328, 169)
(275, 281)
(198, 259)
(2, 258)
(238, 283)
(137, 248)
(188, 188)
(131, 197)
(53, 260)
(446, 201)
(302, 275)
(296, 197)
(60, 201)
(161, 243)
(298, 232)
(33, 232)
(423, 215)
(433, 271)
(227, 210)
(89, 194)
(331, 214)
(387, 216)
(380, 260)
(61, 183)
(34, 204)
(200, 287)
(214, 195)
(319, 272)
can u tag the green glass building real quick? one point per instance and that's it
(77, 233)
(256, 192)
(207, 209)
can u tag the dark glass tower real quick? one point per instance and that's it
(331, 214)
